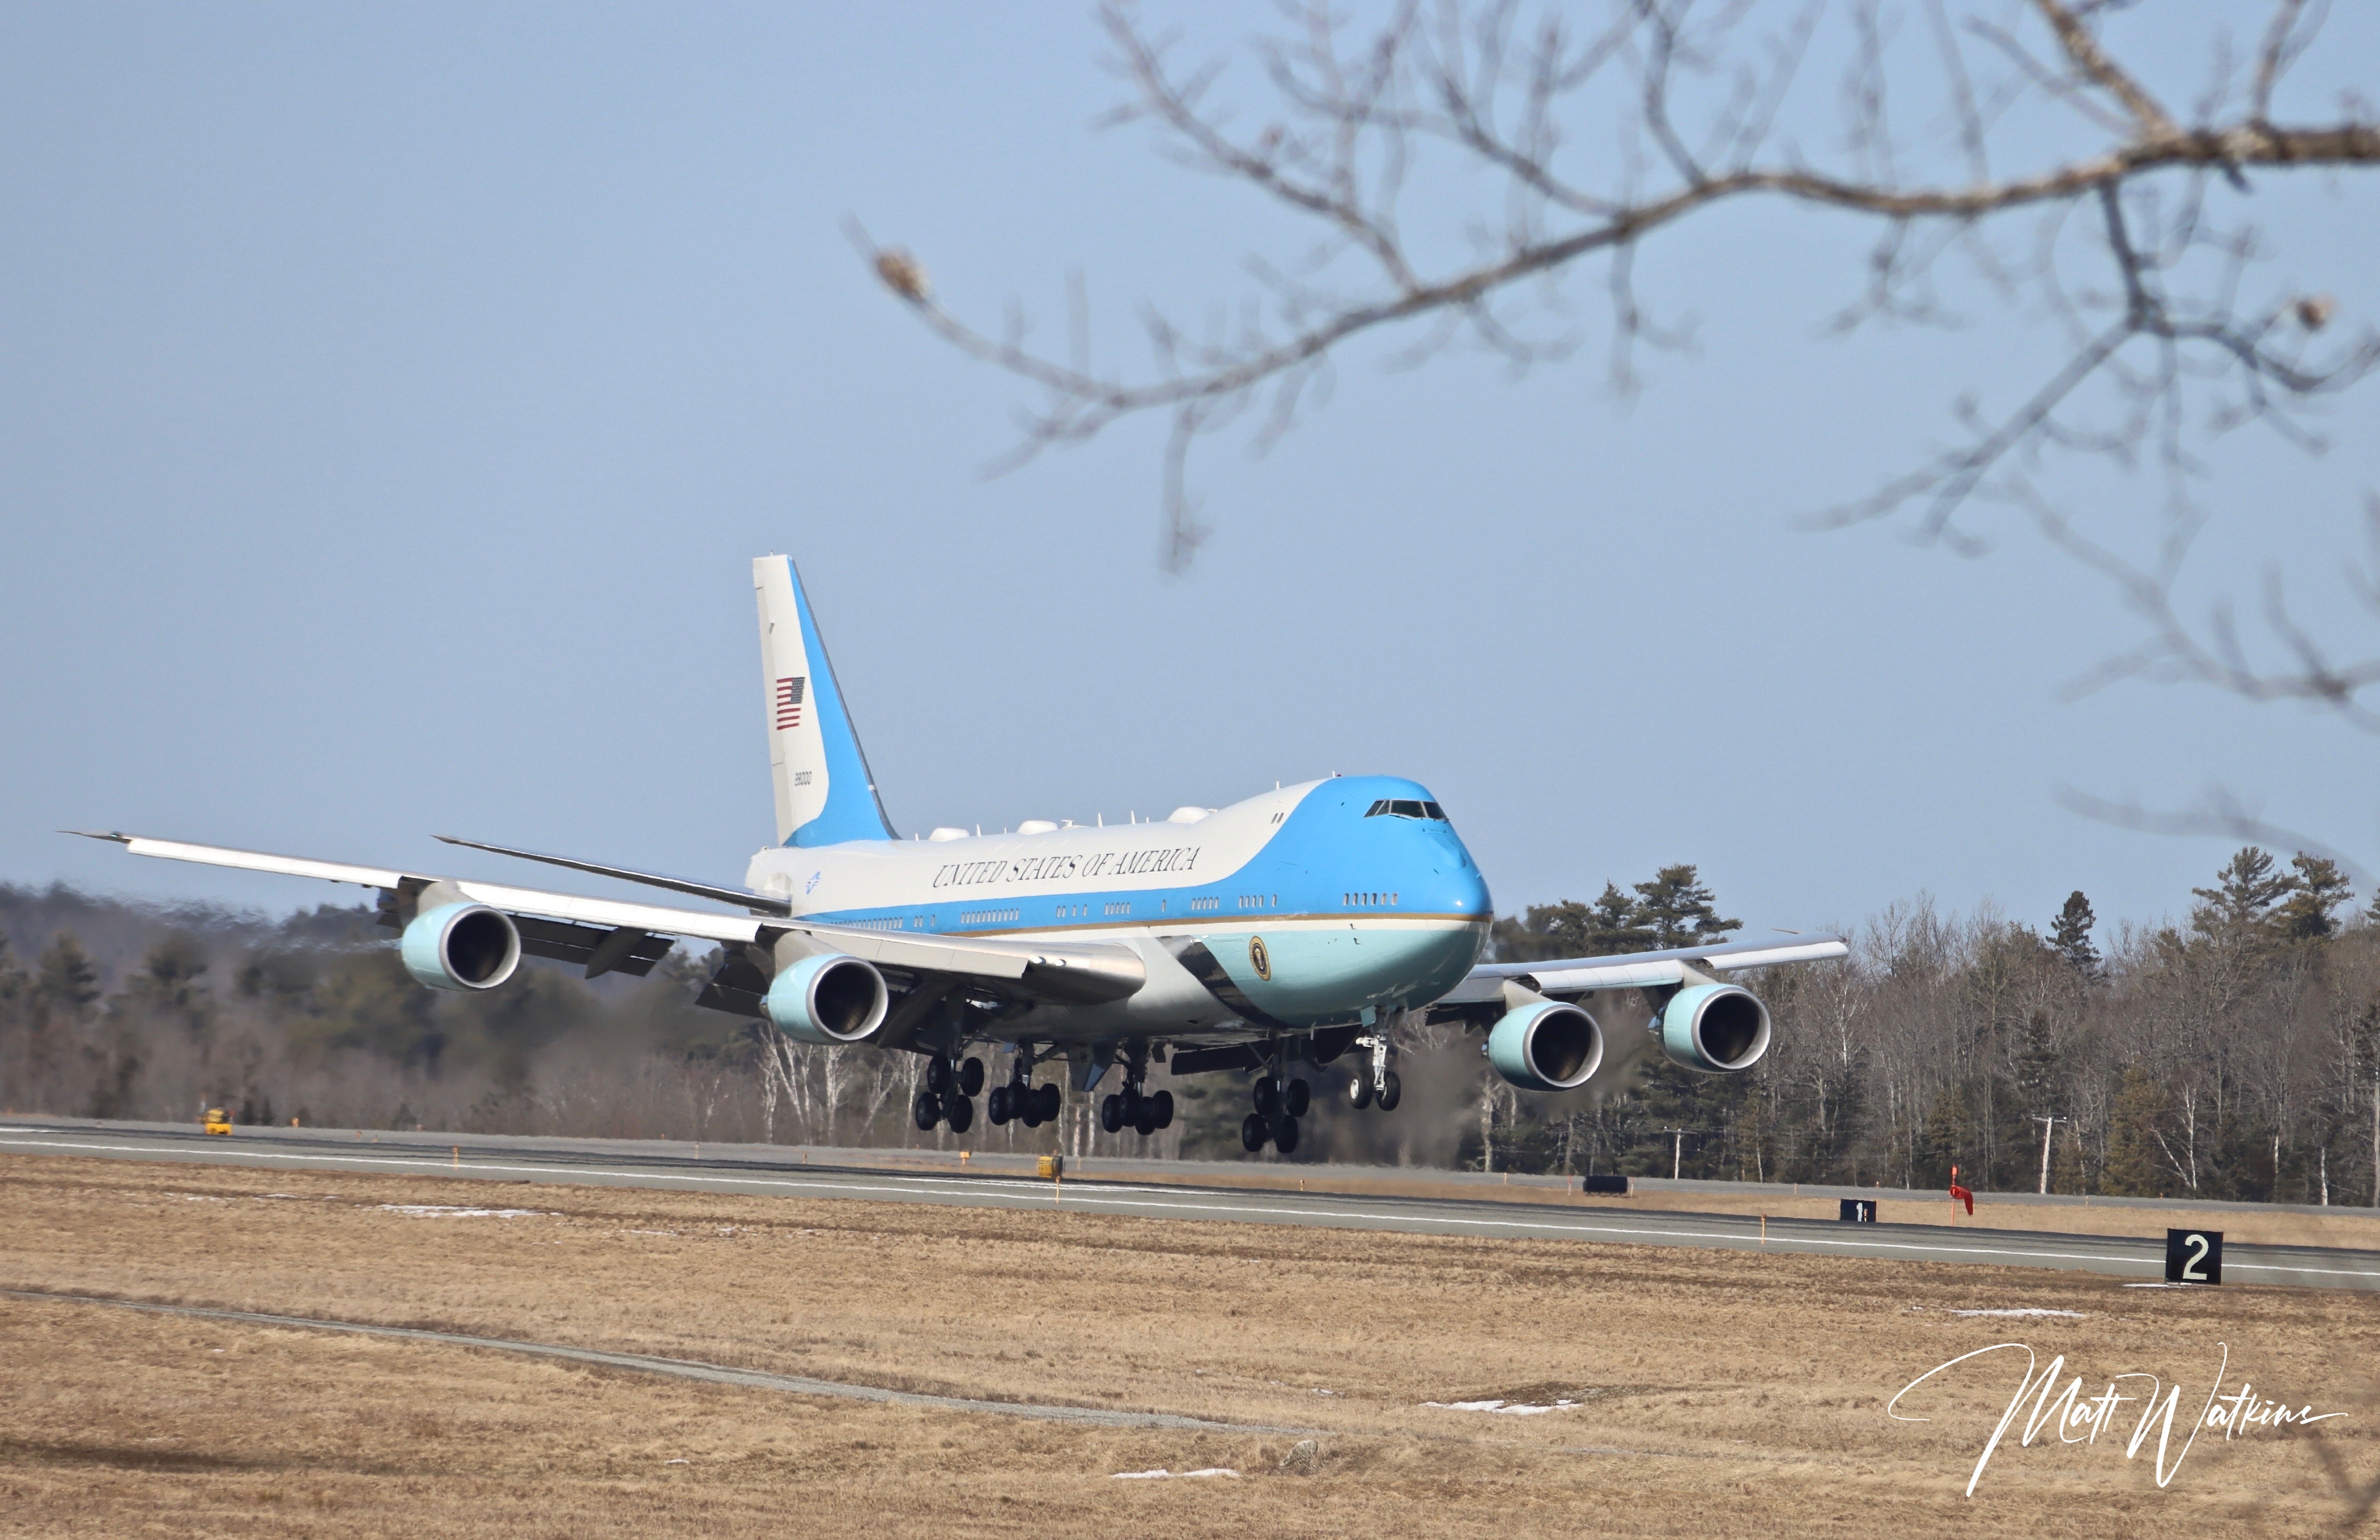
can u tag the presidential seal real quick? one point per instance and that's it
(1260, 958)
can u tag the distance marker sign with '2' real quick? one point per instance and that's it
(2193, 1256)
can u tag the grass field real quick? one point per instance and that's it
(1716, 1393)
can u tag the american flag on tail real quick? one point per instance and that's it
(789, 701)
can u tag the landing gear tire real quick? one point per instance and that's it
(971, 1078)
(1252, 1132)
(926, 1111)
(1163, 1102)
(1267, 1094)
(1046, 1101)
(959, 1113)
(1299, 1097)
(1284, 1135)
(995, 1105)
(938, 1075)
(1144, 1122)
(1359, 1091)
(1112, 1114)
(1391, 1091)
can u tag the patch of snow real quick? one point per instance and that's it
(678, 1462)
(2026, 1310)
(1509, 1409)
(1320, 1391)
(195, 1197)
(1184, 1476)
(653, 1232)
(444, 1211)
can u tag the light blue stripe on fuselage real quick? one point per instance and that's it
(1327, 860)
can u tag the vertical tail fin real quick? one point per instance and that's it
(825, 794)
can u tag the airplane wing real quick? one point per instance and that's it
(609, 935)
(1639, 969)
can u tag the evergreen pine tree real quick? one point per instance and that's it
(1948, 1140)
(66, 980)
(2240, 907)
(2071, 935)
(2319, 889)
(1679, 910)
(2135, 1160)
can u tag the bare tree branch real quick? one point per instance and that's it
(1598, 137)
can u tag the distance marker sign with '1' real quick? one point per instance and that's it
(2193, 1256)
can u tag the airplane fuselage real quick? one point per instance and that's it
(1319, 904)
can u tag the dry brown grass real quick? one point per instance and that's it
(1751, 1385)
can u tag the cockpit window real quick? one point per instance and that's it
(1401, 807)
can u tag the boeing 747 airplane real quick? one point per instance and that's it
(1276, 934)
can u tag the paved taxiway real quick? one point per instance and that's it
(623, 1164)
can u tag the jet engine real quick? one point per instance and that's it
(829, 998)
(461, 946)
(1545, 1046)
(1717, 1028)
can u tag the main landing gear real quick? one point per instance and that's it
(1274, 1122)
(948, 1097)
(1376, 1085)
(1022, 1101)
(1131, 1108)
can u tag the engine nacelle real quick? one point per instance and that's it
(828, 999)
(461, 946)
(1718, 1028)
(1545, 1046)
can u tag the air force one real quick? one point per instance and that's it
(1277, 933)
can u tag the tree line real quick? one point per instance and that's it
(2234, 1054)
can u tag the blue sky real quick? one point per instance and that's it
(391, 400)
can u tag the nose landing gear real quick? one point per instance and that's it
(1376, 1085)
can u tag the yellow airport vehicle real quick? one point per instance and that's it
(218, 1120)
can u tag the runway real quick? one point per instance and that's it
(621, 1163)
